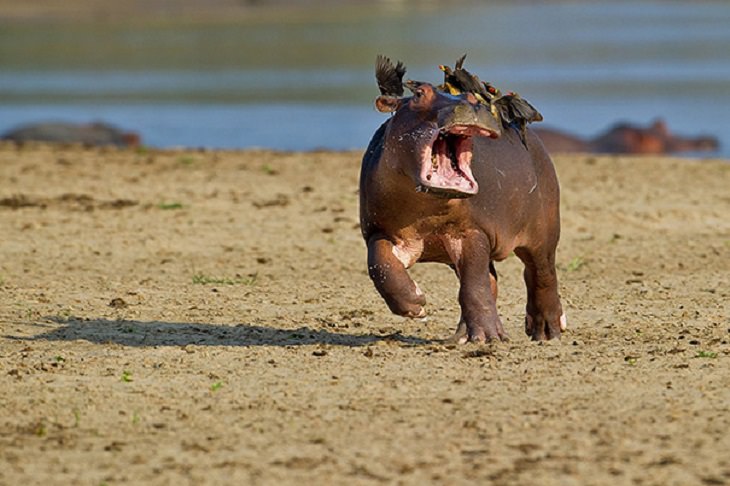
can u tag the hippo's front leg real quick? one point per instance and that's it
(477, 293)
(392, 280)
(461, 335)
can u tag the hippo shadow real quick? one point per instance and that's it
(158, 333)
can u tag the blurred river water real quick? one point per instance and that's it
(306, 80)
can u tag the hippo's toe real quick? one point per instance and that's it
(540, 328)
(480, 333)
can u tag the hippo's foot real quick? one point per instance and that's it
(494, 331)
(412, 312)
(541, 327)
(407, 303)
(390, 277)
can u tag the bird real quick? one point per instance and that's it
(389, 76)
(459, 80)
(493, 91)
(517, 112)
(449, 84)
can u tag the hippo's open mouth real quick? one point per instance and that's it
(446, 162)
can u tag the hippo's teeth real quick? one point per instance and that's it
(434, 161)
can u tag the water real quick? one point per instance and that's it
(306, 81)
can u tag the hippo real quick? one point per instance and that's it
(625, 138)
(443, 181)
(91, 134)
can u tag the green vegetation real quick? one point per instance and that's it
(216, 386)
(203, 279)
(126, 376)
(575, 264)
(268, 169)
(65, 315)
(706, 354)
(170, 205)
(186, 160)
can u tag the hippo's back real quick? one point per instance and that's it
(91, 134)
(556, 141)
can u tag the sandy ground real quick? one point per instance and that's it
(206, 318)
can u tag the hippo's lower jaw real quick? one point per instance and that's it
(443, 193)
(446, 162)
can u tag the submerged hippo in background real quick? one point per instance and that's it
(624, 138)
(442, 181)
(88, 134)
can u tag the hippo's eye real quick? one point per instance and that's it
(418, 94)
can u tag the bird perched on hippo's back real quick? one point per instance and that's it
(459, 80)
(516, 111)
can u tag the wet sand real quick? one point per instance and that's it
(187, 317)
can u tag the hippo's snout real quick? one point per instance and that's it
(468, 119)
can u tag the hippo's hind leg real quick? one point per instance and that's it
(392, 280)
(544, 318)
(461, 335)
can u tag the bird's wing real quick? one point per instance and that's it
(389, 76)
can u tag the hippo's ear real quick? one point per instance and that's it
(387, 104)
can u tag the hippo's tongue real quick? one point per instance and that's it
(446, 169)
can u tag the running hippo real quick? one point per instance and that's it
(624, 138)
(88, 134)
(443, 181)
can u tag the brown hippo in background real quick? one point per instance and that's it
(624, 138)
(442, 181)
(88, 134)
